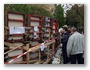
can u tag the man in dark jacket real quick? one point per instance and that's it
(64, 40)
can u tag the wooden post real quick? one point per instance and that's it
(53, 49)
(47, 61)
(27, 55)
(6, 33)
(49, 34)
(48, 54)
(39, 56)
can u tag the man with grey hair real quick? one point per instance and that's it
(75, 46)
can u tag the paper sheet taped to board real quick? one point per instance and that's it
(36, 29)
(17, 30)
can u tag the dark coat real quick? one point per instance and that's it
(64, 38)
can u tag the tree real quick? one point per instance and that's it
(59, 14)
(27, 9)
(75, 16)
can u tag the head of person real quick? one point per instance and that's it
(65, 29)
(62, 31)
(73, 30)
(69, 30)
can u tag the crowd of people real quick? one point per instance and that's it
(72, 45)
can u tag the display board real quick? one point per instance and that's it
(47, 25)
(35, 22)
(15, 22)
(55, 26)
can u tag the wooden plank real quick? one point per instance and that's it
(34, 23)
(49, 34)
(48, 52)
(23, 62)
(25, 48)
(15, 53)
(13, 45)
(18, 60)
(25, 27)
(47, 61)
(10, 44)
(6, 28)
(13, 49)
(38, 46)
(15, 24)
(33, 61)
(16, 20)
(27, 55)
(50, 43)
(37, 62)
(53, 48)
(39, 56)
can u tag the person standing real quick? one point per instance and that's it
(75, 46)
(64, 39)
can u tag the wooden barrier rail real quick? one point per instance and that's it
(31, 50)
(9, 44)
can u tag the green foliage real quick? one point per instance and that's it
(59, 14)
(40, 11)
(27, 9)
(75, 16)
